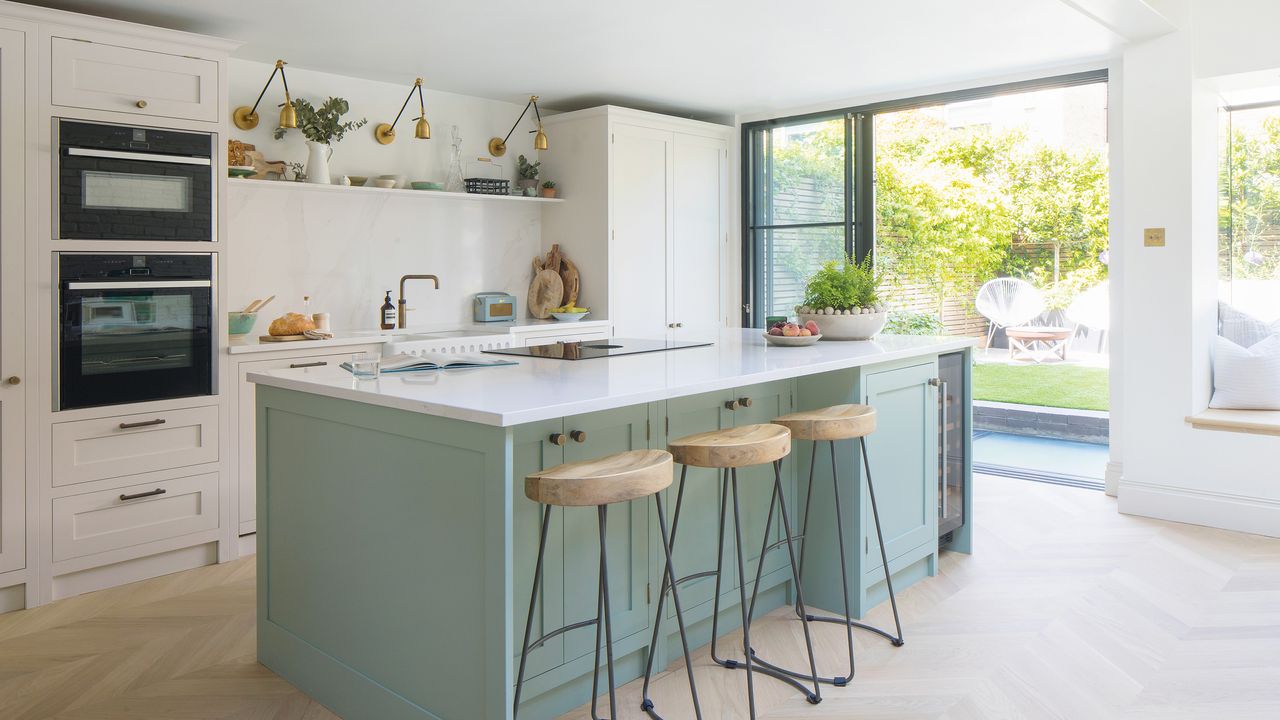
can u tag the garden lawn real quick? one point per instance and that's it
(1061, 386)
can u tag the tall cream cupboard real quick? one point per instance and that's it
(649, 211)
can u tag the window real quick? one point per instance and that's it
(921, 185)
(1249, 210)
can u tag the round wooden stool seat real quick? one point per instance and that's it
(734, 447)
(838, 422)
(602, 481)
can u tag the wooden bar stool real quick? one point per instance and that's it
(841, 422)
(601, 482)
(728, 450)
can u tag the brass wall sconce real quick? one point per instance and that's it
(386, 132)
(498, 146)
(246, 118)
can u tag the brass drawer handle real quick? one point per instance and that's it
(144, 423)
(14, 380)
(142, 104)
(579, 436)
(149, 493)
(310, 364)
(732, 405)
(557, 439)
(744, 402)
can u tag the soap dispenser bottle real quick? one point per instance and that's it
(388, 313)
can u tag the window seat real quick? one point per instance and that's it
(1257, 422)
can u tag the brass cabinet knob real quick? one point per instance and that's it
(732, 405)
(744, 402)
(578, 436)
(142, 104)
(14, 380)
(557, 439)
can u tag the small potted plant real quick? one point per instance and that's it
(321, 127)
(549, 189)
(843, 297)
(528, 174)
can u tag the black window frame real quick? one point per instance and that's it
(859, 171)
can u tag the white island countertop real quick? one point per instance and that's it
(542, 388)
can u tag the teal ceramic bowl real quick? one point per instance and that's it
(240, 323)
(423, 185)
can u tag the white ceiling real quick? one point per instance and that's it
(701, 58)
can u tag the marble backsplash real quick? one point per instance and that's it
(345, 248)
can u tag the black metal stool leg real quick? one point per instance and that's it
(602, 603)
(533, 603)
(848, 620)
(715, 603)
(742, 595)
(804, 522)
(670, 576)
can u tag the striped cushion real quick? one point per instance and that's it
(1246, 378)
(1242, 328)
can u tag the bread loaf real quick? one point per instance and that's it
(291, 324)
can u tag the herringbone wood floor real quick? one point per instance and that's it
(1067, 610)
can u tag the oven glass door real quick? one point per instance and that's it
(124, 195)
(134, 341)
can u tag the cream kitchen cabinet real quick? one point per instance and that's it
(14, 380)
(99, 76)
(244, 417)
(649, 212)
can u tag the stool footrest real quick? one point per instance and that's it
(775, 672)
(694, 576)
(765, 666)
(540, 641)
(775, 545)
(896, 641)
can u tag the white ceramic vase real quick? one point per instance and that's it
(318, 155)
(863, 326)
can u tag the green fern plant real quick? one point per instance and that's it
(843, 285)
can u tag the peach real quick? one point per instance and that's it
(804, 332)
(812, 327)
(791, 330)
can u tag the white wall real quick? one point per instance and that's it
(345, 249)
(1169, 294)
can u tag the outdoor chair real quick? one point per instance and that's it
(1092, 309)
(1008, 302)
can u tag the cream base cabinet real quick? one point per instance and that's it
(244, 418)
(14, 380)
(648, 211)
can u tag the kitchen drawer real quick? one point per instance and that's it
(113, 519)
(141, 82)
(122, 445)
(532, 339)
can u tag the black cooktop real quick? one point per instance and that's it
(587, 349)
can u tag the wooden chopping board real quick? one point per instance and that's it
(545, 292)
(569, 276)
(282, 338)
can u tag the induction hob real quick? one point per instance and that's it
(587, 349)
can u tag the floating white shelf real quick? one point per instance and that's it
(424, 194)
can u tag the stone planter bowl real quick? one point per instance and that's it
(848, 327)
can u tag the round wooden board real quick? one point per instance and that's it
(545, 292)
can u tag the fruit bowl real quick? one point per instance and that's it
(570, 317)
(792, 340)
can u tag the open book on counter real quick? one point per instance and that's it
(404, 362)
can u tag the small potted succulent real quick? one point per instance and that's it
(321, 127)
(549, 189)
(844, 298)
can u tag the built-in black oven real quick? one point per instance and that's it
(120, 182)
(134, 328)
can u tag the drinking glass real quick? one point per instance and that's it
(365, 366)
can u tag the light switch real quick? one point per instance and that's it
(1153, 237)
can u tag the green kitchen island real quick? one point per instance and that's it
(396, 547)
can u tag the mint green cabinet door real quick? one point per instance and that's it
(606, 433)
(903, 457)
(695, 535)
(755, 484)
(532, 450)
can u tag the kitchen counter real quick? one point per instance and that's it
(539, 389)
(396, 546)
(251, 344)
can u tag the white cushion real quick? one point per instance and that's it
(1242, 328)
(1246, 378)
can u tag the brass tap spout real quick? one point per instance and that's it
(402, 311)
